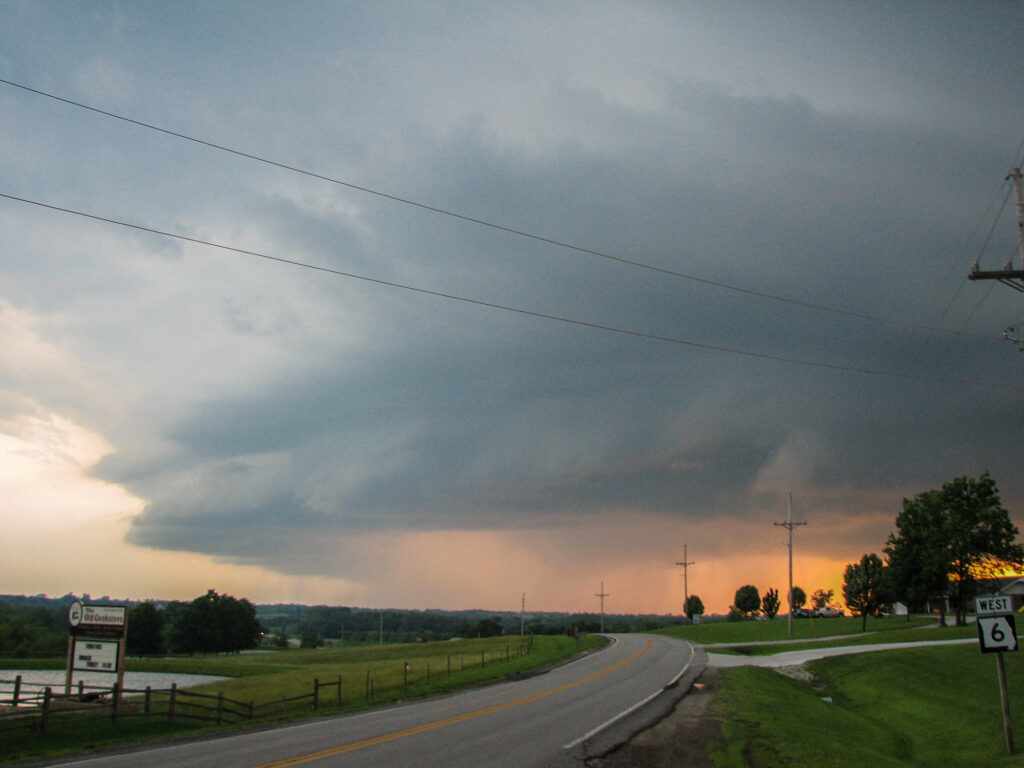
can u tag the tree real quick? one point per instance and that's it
(917, 553)
(770, 603)
(799, 598)
(747, 600)
(215, 623)
(693, 606)
(864, 587)
(146, 630)
(947, 540)
(310, 640)
(821, 598)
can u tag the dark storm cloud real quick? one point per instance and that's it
(258, 406)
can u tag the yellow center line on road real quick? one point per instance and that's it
(300, 759)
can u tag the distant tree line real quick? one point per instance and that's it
(27, 631)
(359, 626)
(211, 623)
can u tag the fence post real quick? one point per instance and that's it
(507, 652)
(170, 702)
(17, 691)
(220, 706)
(405, 678)
(47, 694)
(367, 685)
(339, 690)
(482, 662)
(149, 693)
(114, 696)
(316, 694)
(428, 673)
(449, 665)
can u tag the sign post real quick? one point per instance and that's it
(97, 641)
(997, 632)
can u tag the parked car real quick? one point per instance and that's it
(828, 612)
(801, 613)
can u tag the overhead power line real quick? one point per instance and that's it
(505, 307)
(492, 225)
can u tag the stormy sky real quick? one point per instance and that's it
(437, 304)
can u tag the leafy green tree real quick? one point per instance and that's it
(215, 623)
(146, 630)
(747, 600)
(821, 598)
(864, 587)
(693, 606)
(770, 603)
(30, 631)
(310, 640)
(918, 555)
(950, 539)
(799, 598)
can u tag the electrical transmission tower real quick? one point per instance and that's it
(790, 525)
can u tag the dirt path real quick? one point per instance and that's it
(683, 739)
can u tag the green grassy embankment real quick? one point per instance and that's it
(879, 630)
(930, 707)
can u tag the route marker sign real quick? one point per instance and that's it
(993, 605)
(997, 634)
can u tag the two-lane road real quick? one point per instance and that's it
(540, 721)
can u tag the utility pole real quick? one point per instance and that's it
(1014, 278)
(790, 525)
(686, 587)
(522, 615)
(602, 594)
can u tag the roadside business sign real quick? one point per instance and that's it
(97, 640)
(92, 654)
(96, 616)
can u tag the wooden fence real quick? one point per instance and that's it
(40, 708)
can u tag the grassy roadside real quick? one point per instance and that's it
(811, 630)
(921, 707)
(916, 706)
(269, 676)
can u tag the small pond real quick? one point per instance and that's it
(35, 680)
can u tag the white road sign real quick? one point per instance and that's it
(997, 634)
(993, 605)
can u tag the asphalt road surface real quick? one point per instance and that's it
(548, 720)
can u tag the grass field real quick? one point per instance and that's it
(911, 707)
(266, 677)
(811, 630)
(932, 706)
